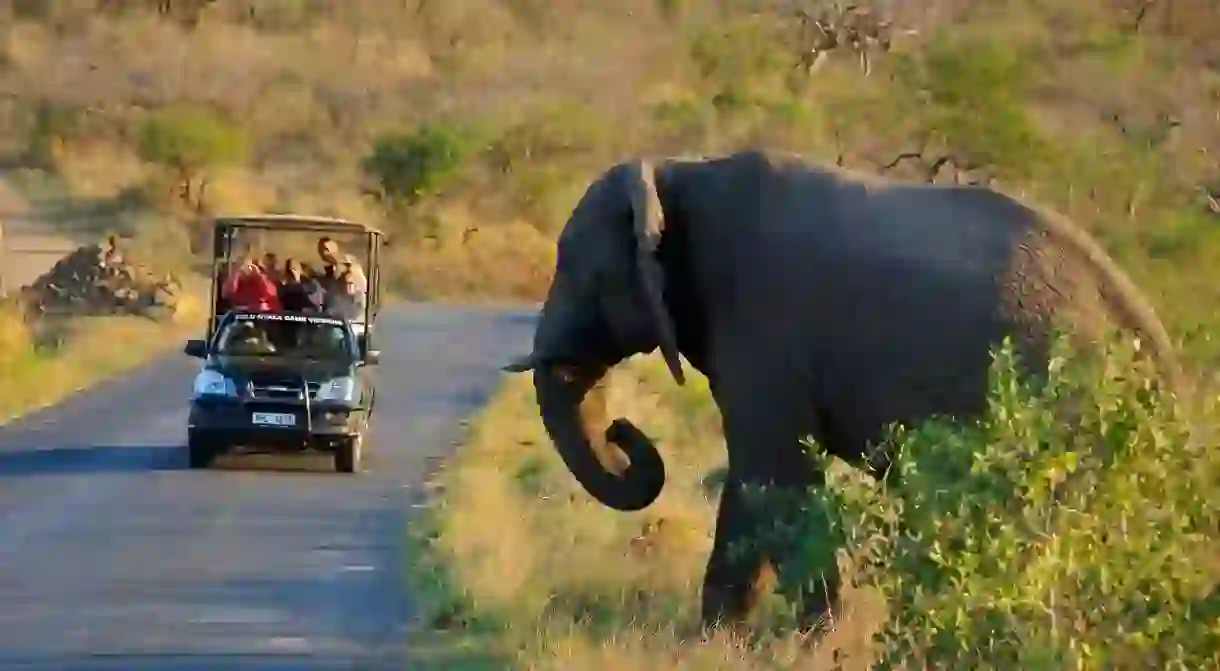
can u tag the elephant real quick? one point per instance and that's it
(817, 302)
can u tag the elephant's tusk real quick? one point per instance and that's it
(520, 364)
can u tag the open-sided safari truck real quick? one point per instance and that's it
(285, 380)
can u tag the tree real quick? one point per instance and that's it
(190, 141)
(411, 166)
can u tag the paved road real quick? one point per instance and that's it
(114, 556)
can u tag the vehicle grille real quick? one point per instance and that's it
(279, 389)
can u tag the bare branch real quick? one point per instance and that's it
(905, 156)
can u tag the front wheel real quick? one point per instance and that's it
(200, 452)
(347, 455)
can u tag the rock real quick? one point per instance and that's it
(101, 279)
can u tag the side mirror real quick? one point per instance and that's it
(372, 357)
(196, 348)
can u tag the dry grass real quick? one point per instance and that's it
(538, 574)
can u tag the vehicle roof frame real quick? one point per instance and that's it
(293, 222)
(224, 225)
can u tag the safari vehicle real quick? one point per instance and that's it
(283, 381)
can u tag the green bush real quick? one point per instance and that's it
(189, 139)
(740, 62)
(49, 123)
(971, 98)
(408, 167)
(283, 16)
(1072, 527)
(734, 52)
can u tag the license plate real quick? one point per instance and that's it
(274, 419)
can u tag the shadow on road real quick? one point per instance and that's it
(92, 459)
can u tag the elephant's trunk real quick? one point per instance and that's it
(573, 410)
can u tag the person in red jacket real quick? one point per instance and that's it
(249, 288)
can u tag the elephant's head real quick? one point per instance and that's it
(606, 303)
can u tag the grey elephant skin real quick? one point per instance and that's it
(816, 303)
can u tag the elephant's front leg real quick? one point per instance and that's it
(738, 569)
(755, 552)
(768, 482)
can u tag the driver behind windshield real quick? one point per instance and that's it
(248, 339)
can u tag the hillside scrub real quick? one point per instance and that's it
(1071, 527)
(493, 115)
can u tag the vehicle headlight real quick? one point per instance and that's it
(338, 389)
(212, 383)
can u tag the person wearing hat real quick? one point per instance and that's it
(334, 263)
(342, 276)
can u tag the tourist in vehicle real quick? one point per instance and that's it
(299, 292)
(270, 266)
(249, 288)
(335, 264)
(344, 298)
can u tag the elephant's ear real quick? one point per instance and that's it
(649, 224)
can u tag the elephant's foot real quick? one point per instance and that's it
(732, 604)
(820, 613)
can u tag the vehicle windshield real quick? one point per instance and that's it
(285, 335)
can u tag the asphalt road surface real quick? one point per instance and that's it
(113, 555)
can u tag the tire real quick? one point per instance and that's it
(347, 455)
(200, 452)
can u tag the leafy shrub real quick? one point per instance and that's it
(739, 61)
(50, 125)
(972, 96)
(411, 166)
(1072, 527)
(190, 139)
(736, 51)
(283, 16)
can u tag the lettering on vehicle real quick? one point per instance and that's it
(273, 317)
